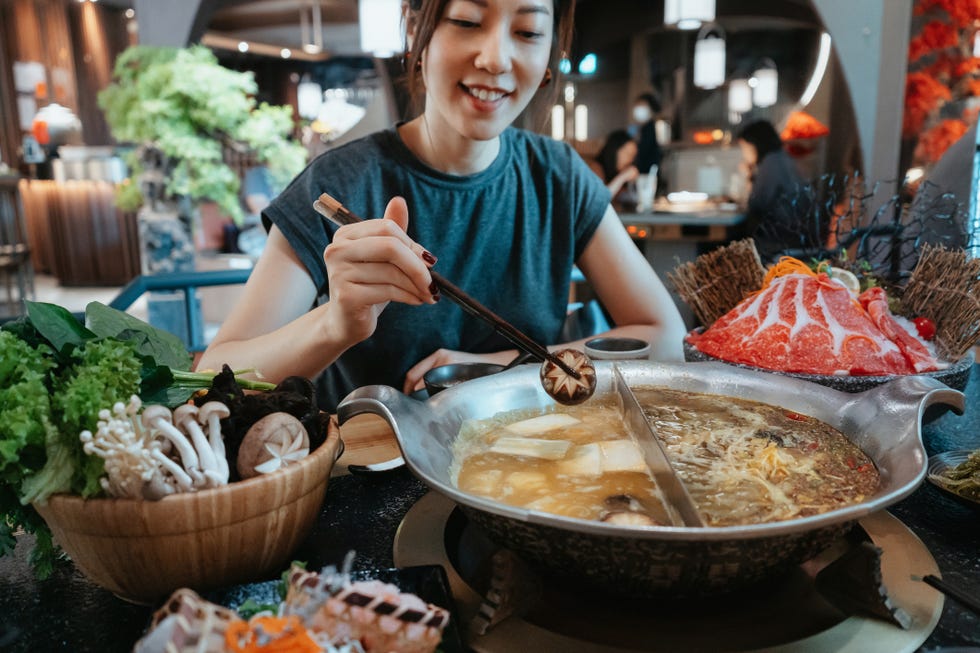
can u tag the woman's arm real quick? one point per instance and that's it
(631, 291)
(272, 329)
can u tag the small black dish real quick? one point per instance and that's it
(445, 376)
(939, 463)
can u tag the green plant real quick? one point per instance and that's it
(184, 104)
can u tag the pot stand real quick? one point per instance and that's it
(785, 615)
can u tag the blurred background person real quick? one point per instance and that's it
(616, 167)
(773, 218)
(644, 114)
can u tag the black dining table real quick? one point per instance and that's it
(66, 612)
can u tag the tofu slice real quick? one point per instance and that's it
(583, 460)
(542, 424)
(531, 447)
(622, 456)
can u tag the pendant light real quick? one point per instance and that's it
(688, 14)
(739, 96)
(765, 91)
(311, 28)
(380, 26)
(709, 57)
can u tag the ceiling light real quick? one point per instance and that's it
(709, 57)
(380, 26)
(285, 53)
(739, 96)
(558, 122)
(242, 46)
(688, 14)
(130, 13)
(588, 64)
(766, 89)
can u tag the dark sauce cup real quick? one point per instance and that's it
(439, 378)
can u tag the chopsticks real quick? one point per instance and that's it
(338, 214)
(954, 592)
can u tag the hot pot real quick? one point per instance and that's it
(885, 422)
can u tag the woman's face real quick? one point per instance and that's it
(750, 155)
(484, 63)
(626, 154)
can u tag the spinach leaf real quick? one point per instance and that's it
(164, 347)
(57, 325)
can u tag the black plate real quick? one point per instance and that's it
(939, 464)
(428, 582)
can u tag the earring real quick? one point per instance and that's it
(406, 60)
(547, 78)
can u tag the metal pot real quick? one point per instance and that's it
(884, 422)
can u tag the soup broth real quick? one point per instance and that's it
(745, 462)
(578, 462)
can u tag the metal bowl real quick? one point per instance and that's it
(643, 561)
(956, 376)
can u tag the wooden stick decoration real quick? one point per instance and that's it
(945, 287)
(713, 283)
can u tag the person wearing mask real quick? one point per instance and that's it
(645, 110)
(773, 184)
(502, 212)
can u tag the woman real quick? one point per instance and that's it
(616, 160)
(774, 184)
(505, 212)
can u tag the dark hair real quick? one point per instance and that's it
(763, 137)
(651, 101)
(607, 155)
(422, 17)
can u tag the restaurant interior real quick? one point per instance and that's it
(875, 103)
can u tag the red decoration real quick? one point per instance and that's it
(936, 140)
(801, 124)
(922, 95)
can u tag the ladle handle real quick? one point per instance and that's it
(339, 214)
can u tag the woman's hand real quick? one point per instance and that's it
(624, 176)
(371, 263)
(440, 357)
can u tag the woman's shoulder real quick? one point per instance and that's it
(374, 145)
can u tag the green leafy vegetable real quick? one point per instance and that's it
(56, 374)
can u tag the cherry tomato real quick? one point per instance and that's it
(925, 327)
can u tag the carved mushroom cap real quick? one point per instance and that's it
(273, 442)
(563, 387)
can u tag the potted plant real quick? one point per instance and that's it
(181, 109)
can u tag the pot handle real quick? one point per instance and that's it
(385, 402)
(921, 391)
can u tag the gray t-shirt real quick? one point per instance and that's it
(508, 235)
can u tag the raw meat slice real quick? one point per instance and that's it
(875, 303)
(803, 323)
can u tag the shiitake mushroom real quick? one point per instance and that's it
(294, 395)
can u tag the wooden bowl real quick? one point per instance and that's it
(143, 550)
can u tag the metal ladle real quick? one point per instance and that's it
(567, 375)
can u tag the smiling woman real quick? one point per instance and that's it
(507, 213)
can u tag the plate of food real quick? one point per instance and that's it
(830, 323)
(957, 474)
(333, 611)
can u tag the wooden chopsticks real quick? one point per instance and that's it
(338, 214)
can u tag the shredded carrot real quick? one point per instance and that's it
(786, 265)
(264, 634)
